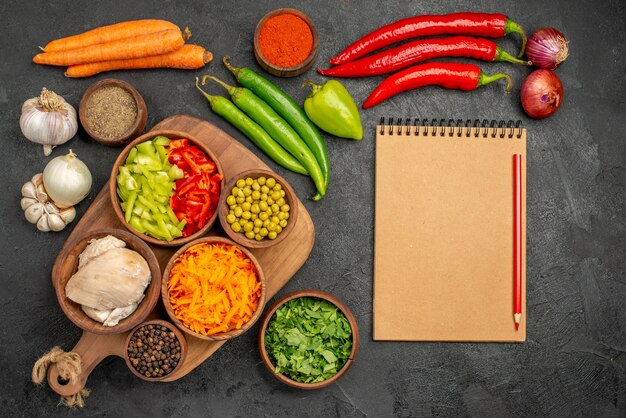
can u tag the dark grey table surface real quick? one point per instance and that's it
(572, 363)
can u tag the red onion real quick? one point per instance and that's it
(547, 48)
(541, 94)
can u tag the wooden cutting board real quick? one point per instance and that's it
(279, 262)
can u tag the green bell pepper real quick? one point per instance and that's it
(333, 110)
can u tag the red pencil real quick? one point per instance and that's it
(517, 239)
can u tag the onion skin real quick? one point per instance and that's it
(547, 48)
(541, 94)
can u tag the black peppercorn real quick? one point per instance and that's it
(154, 350)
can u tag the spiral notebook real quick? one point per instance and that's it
(443, 252)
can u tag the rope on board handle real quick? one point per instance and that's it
(69, 366)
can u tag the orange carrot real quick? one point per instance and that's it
(136, 47)
(109, 33)
(189, 57)
(213, 288)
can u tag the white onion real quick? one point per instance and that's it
(67, 180)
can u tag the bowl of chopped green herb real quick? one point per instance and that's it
(308, 339)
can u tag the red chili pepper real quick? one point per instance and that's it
(445, 74)
(473, 24)
(421, 50)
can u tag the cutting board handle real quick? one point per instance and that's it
(92, 348)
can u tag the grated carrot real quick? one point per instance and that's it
(213, 288)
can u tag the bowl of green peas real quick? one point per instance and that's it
(257, 208)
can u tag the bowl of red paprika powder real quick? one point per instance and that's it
(285, 42)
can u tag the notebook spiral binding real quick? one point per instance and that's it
(451, 127)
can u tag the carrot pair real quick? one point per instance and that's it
(148, 43)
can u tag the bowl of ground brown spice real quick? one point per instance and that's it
(285, 42)
(112, 112)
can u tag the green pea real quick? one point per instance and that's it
(236, 227)
(275, 208)
(275, 219)
(265, 189)
(240, 200)
(271, 182)
(262, 206)
(258, 237)
(247, 191)
(256, 186)
(275, 195)
(282, 193)
(234, 191)
(246, 215)
(240, 193)
(263, 232)
(279, 229)
(231, 218)
(261, 180)
(277, 186)
(249, 181)
(281, 215)
(283, 223)
(250, 235)
(266, 223)
(285, 208)
(238, 211)
(249, 199)
(254, 216)
(230, 200)
(270, 201)
(246, 206)
(271, 226)
(263, 197)
(286, 215)
(256, 195)
(280, 201)
(255, 208)
(258, 223)
(242, 221)
(241, 183)
(272, 235)
(256, 229)
(262, 216)
(248, 226)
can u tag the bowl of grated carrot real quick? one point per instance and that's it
(213, 289)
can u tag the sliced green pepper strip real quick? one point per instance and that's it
(129, 205)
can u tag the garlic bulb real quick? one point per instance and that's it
(67, 180)
(48, 120)
(39, 210)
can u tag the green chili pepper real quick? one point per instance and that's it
(333, 110)
(276, 127)
(286, 107)
(226, 109)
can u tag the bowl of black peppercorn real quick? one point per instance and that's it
(154, 350)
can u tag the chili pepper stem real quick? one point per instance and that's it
(513, 27)
(234, 70)
(229, 88)
(314, 87)
(484, 79)
(502, 55)
(210, 98)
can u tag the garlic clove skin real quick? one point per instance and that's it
(68, 214)
(55, 223)
(37, 179)
(34, 213)
(29, 190)
(49, 208)
(42, 223)
(27, 202)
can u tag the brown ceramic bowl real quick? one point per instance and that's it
(136, 129)
(169, 326)
(285, 71)
(239, 237)
(224, 335)
(66, 265)
(115, 201)
(313, 294)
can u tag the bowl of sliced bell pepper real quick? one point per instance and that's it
(165, 187)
